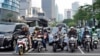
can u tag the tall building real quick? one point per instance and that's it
(68, 14)
(93, 1)
(56, 12)
(25, 8)
(75, 7)
(48, 7)
(9, 7)
(38, 18)
(60, 17)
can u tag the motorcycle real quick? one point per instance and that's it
(22, 43)
(58, 43)
(72, 43)
(95, 40)
(87, 43)
(39, 44)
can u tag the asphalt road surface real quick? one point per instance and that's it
(78, 52)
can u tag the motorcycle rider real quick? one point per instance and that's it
(45, 35)
(87, 32)
(43, 40)
(24, 31)
(73, 32)
(59, 31)
(93, 30)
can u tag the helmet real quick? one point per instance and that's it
(36, 28)
(25, 27)
(72, 27)
(40, 30)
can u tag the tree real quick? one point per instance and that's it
(69, 22)
(96, 7)
(96, 4)
(83, 14)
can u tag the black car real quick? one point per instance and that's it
(6, 34)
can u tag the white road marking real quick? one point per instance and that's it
(81, 50)
(73, 54)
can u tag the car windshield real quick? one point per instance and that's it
(54, 30)
(6, 28)
(31, 29)
(63, 30)
(63, 25)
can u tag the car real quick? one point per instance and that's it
(6, 34)
(62, 25)
(98, 32)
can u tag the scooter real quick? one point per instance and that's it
(22, 43)
(87, 43)
(57, 43)
(39, 44)
(72, 43)
(95, 40)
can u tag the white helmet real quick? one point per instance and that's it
(72, 27)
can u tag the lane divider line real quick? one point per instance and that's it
(81, 50)
(73, 54)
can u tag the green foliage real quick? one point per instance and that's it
(96, 5)
(84, 13)
(67, 21)
(70, 22)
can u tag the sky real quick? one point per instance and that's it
(62, 4)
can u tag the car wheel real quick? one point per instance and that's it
(13, 45)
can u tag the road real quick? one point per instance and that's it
(78, 52)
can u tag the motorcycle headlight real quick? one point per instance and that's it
(72, 38)
(87, 36)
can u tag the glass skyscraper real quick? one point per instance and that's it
(9, 6)
(48, 7)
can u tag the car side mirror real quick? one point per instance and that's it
(18, 29)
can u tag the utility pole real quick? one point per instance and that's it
(93, 14)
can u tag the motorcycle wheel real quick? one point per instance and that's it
(54, 48)
(62, 48)
(39, 48)
(95, 46)
(72, 50)
(20, 50)
(88, 48)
